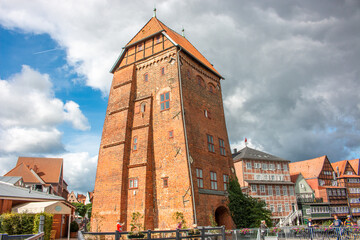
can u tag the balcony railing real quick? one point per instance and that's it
(310, 200)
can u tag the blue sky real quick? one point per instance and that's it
(291, 74)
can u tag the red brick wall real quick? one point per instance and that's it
(157, 155)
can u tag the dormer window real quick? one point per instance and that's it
(140, 47)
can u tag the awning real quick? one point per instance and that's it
(54, 207)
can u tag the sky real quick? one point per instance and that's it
(291, 72)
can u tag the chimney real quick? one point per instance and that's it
(235, 150)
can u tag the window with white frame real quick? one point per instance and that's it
(287, 208)
(343, 193)
(285, 166)
(279, 207)
(213, 180)
(272, 177)
(271, 166)
(253, 188)
(277, 190)
(321, 182)
(284, 188)
(248, 165)
(272, 209)
(279, 166)
(262, 188)
(257, 177)
(264, 166)
(257, 165)
(291, 190)
(270, 190)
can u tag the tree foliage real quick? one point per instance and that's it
(246, 212)
(80, 208)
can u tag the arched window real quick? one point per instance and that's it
(212, 88)
(200, 81)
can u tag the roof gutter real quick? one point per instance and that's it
(185, 134)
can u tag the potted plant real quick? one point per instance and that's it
(74, 228)
(136, 226)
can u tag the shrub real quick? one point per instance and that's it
(17, 223)
(74, 226)
(47, 224)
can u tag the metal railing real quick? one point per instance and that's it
(206, 233)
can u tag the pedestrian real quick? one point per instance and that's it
(119, 225)
(348, 222)
(311, 228)
(337, 224)
(263, 228)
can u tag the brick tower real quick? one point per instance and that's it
(164, 146)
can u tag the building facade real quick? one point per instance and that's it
(347, 177)
(164, 147)
(267, 177)
(320, 175)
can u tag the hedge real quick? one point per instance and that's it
(47, 224)
(24, 223)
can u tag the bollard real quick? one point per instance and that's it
(117, 235)
(177, 234)
(149, 234)
(223, 232)
(41, 223)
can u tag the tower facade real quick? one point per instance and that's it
(164, 148)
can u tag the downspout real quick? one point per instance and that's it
(186, 140)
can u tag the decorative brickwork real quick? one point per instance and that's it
(155, 135)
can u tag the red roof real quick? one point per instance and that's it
(49, 169)
(355, 165)
(309, 168)
(154, 26)
(341, 165)
(22, 171)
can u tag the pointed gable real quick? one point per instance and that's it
(49, 169)
(154, 27)
(22, 171)
(355, 165)
(344, 167)
(309, 168)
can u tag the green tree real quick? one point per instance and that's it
(89, 209)
(80, 209)
(245, 210)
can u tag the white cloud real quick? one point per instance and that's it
(31, 114)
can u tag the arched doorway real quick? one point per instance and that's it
(222, 217)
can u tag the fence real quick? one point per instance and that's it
(300, 233)
(204, 233)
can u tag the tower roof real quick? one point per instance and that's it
(155, 26)
(249, 153)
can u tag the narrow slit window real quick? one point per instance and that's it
(146, 77)
(135, 142)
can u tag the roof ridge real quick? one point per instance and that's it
(157, 21)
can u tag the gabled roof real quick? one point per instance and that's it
(22, 171)
(154, 26)
(249, 153)
(355, 165)
(341, 165)
(49, 169)
(294, 176)
(309, 168)
(9, 179)
(8, 191)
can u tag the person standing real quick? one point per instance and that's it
(337, 224)
(311, 228)
(119, 225)
(263, 228)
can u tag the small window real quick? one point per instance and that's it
(277, 189)
(207, 114)
(158, 39)
(146, 77)
(162, 71)
(222, 147)
(140, 47)
(279, 166)
(226, 182)
(143, 107)
(135, 142)
(165, 101)
(165, 182)
(285, 192)
(211, 88)
(253, 188)
(133, 183)
(270, 190)
(199, 176)
(188, 74)
(213, 180)
(279, 208)
(171, 134)
(210, 141)
(262, 188)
